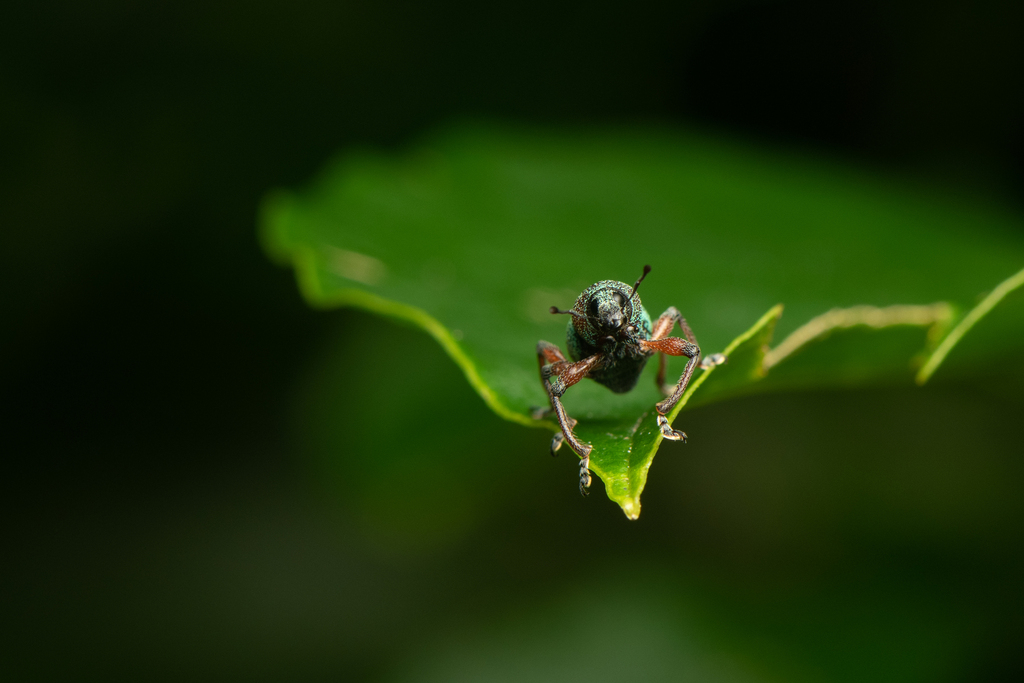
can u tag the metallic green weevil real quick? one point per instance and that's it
(610, 337)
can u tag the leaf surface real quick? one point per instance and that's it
(476, 233)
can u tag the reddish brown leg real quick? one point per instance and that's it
(549, 354)
(557, 374)
(673, 346)
(662, 328)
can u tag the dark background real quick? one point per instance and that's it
(167, 513)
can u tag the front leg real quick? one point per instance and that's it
(674, 346)
(557, 375)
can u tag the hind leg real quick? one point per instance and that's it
(662, 329)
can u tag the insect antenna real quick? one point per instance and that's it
(577, 314)
(647, 269)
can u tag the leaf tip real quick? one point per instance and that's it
(631, 507)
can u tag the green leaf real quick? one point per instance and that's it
(475, 234)
(625, 474)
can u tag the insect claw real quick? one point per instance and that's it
(713, 360)
(668, 432)
(585, 477)
(556, 442)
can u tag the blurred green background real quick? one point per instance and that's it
(200, 483)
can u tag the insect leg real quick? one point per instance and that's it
(674, 346)
(667, 321)
(548, 353)
(558, 375)
(662, 328)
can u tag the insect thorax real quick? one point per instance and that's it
(602, 292)
(623, 359)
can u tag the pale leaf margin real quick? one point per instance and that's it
(970, 320)
(304, 262)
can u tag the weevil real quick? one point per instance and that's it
(610, 339)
